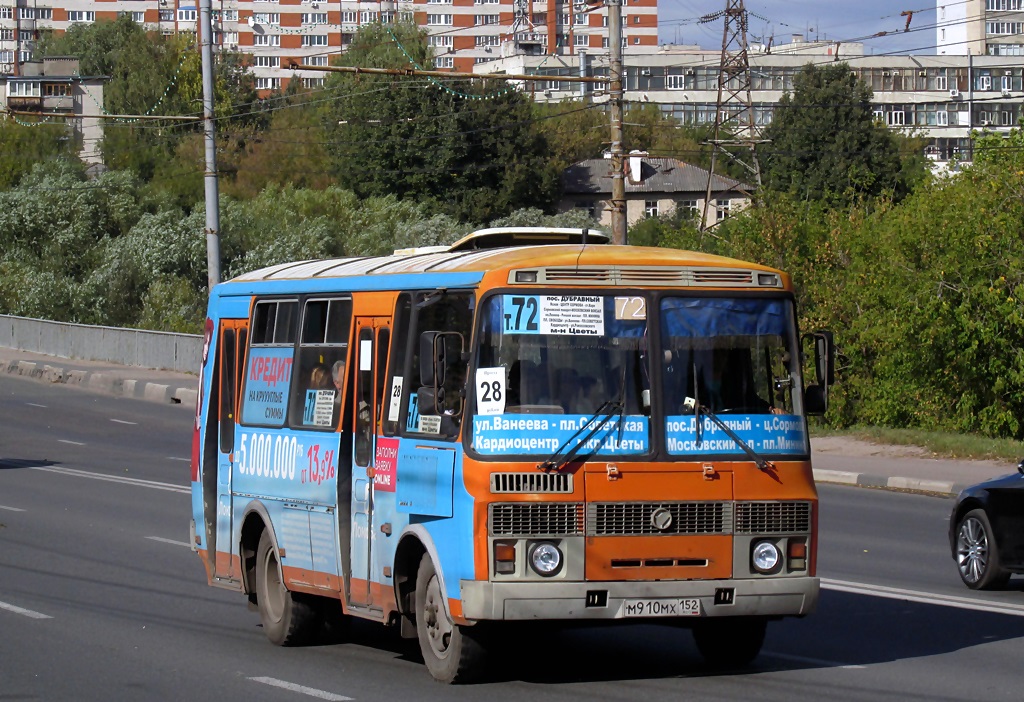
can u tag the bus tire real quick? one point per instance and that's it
(730, 642)
(288, 619)
(452, 653)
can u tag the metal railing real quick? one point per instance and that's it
(127, 347)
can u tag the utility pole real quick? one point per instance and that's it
(618, 202)
(210, 178)
(734, 106)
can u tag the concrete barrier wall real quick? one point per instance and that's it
(127, 347)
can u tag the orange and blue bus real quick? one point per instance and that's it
(531, 425)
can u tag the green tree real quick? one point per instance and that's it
(474, 159)
(825, 143)
(24, 143)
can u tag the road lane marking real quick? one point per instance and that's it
(932, 598)
(169, 541)
(73, 443)
(184, 489)
(176, 458)
(121, 421)
(812, 661)
(302, 689)
(11, 509)
(24, 612)
(33, 404)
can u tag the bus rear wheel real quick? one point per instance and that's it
(730, 642)
(451, 652)
(288, 619)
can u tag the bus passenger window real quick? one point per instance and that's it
(269, 363)
(323, 351)
(364, 400)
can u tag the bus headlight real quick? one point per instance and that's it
(545, 559)
(765, 557)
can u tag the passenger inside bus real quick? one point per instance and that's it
(728, 384)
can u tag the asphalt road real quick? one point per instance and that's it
(101, 598)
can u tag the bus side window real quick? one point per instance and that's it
(323, 353)
(268, 363)
(228, 375)
(392, 408)
(364, 401)
(451, 316)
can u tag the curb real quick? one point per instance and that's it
(842, 477)
(105, 383)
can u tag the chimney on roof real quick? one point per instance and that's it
(636, 164)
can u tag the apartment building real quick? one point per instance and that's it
(941, 97)
(281, 33)
(979, 27)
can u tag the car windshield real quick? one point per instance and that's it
(547, 363)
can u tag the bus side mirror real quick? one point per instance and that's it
(825, 357)
(426, 400)
(432, 359)
(815, 402)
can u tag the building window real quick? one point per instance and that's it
(1001, 5)
(1004, 27)
(488, 40)
(444, 41)
(266, 40)
(483, 20)
(313, 82)
(636, 40)
(486, 2)
(580, 19)
(6, 34)
(267, 18)
(166, 16)
(267, 61)
(268, 83)
(444, 62)
(317, 61)
(722, 208)
(439, 20)
(81, 16)
(314, 40)
(651, 208)
(16, 88)
(26, 35)
(56, 90)
(6, 13)
(349, 16)
(230, 15)
(636, 19)
(187, 15)
(314, 18)
(138, 17)
(367, 17)
(581, 40)
(6, 56)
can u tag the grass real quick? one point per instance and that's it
(939, 444)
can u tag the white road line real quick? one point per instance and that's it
(117, 479)
(812, 661)
(24, 612)
(11, 509)
(176, 458)
(169, 541)
(33, 404)
(121, 421)
(302, 689)
(932, 598)
(73, 443)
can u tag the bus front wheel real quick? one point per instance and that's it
(288, 619)
(730, 642)
(451, 652)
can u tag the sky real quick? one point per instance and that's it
(853, 20)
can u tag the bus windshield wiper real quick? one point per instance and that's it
(697, 408)
(605, 412)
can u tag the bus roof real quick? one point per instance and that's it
(556, 264)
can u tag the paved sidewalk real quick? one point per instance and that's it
(836, 459)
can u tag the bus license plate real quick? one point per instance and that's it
(674, 607)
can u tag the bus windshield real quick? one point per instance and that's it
(738, 358)
(548, 362)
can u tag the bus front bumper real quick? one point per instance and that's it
(524, 601)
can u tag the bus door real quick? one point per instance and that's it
(372, 339)
(231, 357)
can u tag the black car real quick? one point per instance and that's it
(986, 531)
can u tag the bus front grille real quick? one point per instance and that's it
(536, 519)
(527, 483)
(773, 517)
(653, 518)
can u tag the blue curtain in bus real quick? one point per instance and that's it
(702, 317)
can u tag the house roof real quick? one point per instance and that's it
(658, 175)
